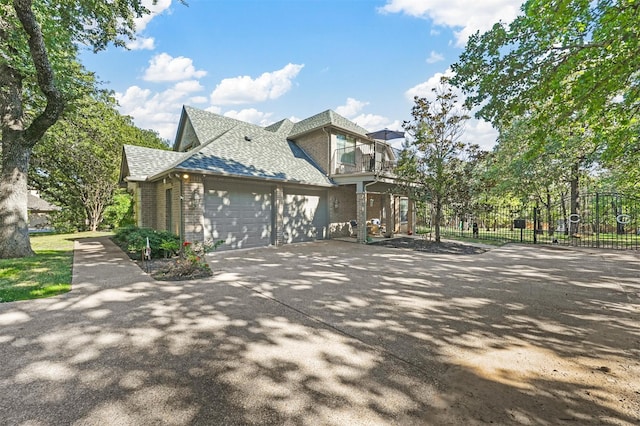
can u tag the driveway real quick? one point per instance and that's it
(331, 333)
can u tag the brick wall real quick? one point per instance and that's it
(316, 145)
(193, 208)
(342, 209)
(146, 205)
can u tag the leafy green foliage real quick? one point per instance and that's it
(133, 240)
(39, 76)
(77, 162)
(431, 162)
(120, 212)
(570, 70)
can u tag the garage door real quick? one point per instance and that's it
(305, 217)
(239, 215)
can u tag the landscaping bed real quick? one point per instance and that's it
(444, 247)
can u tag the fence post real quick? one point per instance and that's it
(597, 219)
(535, 224)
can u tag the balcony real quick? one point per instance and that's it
(365, 159)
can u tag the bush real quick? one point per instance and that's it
(120, 212)
(133, 240)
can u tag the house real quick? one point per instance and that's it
(256, 186)
(39, 211)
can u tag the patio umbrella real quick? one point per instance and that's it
(386, 135)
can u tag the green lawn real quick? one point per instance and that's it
(46, 274)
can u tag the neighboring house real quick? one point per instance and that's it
(257, 186)
(39, 210)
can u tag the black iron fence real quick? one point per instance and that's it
(604, 220)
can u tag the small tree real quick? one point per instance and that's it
(432, 164)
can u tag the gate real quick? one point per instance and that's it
(599, 220)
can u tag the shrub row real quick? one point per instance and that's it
(133, 240)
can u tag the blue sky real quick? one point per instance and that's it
(265, 60)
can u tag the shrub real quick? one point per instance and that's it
(120, 212)
(133, 240)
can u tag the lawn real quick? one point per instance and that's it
(46, 274)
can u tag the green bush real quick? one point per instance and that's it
(120, 212)
(133, 240)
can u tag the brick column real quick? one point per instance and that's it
(389, 206)
(193, 205)
(278, 211)
(361, 216)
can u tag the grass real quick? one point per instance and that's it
(46, 274)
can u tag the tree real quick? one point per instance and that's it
(563, 55)
(77, 162)
(432, 162)
(39, 75)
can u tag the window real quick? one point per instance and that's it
(346, 146)
(404, 209)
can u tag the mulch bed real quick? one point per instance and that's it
(418, 244)
(166, 270)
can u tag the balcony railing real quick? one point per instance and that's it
(362, 159)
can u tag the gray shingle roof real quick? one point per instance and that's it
(37, 204)
(324, 119)
(143, 162)
(236, 148)
(232, 148)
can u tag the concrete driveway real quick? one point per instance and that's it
(331, 333)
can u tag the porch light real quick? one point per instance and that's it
(185, 176)
(336, 203)
(371, 202)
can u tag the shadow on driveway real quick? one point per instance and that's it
(331, 333)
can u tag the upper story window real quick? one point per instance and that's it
(346, 148)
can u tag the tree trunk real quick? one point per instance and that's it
(438, 219)
(14, 221)
(17, 142)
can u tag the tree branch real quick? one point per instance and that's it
(44, 71)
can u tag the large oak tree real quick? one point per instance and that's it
(39, 75)
(567, 66)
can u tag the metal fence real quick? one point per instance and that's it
(601, 220)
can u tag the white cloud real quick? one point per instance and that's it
(154, 9)
(465, 15)
(481, 133)
(250, 115)
(164, 67)
(372, 122)
(159, 111)
(244, 89)
(435, 57)
(351, 108)
(142, 43)
(424, 89)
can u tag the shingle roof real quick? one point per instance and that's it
(37, 204)
(229, 147)
(142, 162)
(282, 126)
(236, 148)
(324, 119)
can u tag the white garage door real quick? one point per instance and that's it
(239, 215)
(305, 217)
